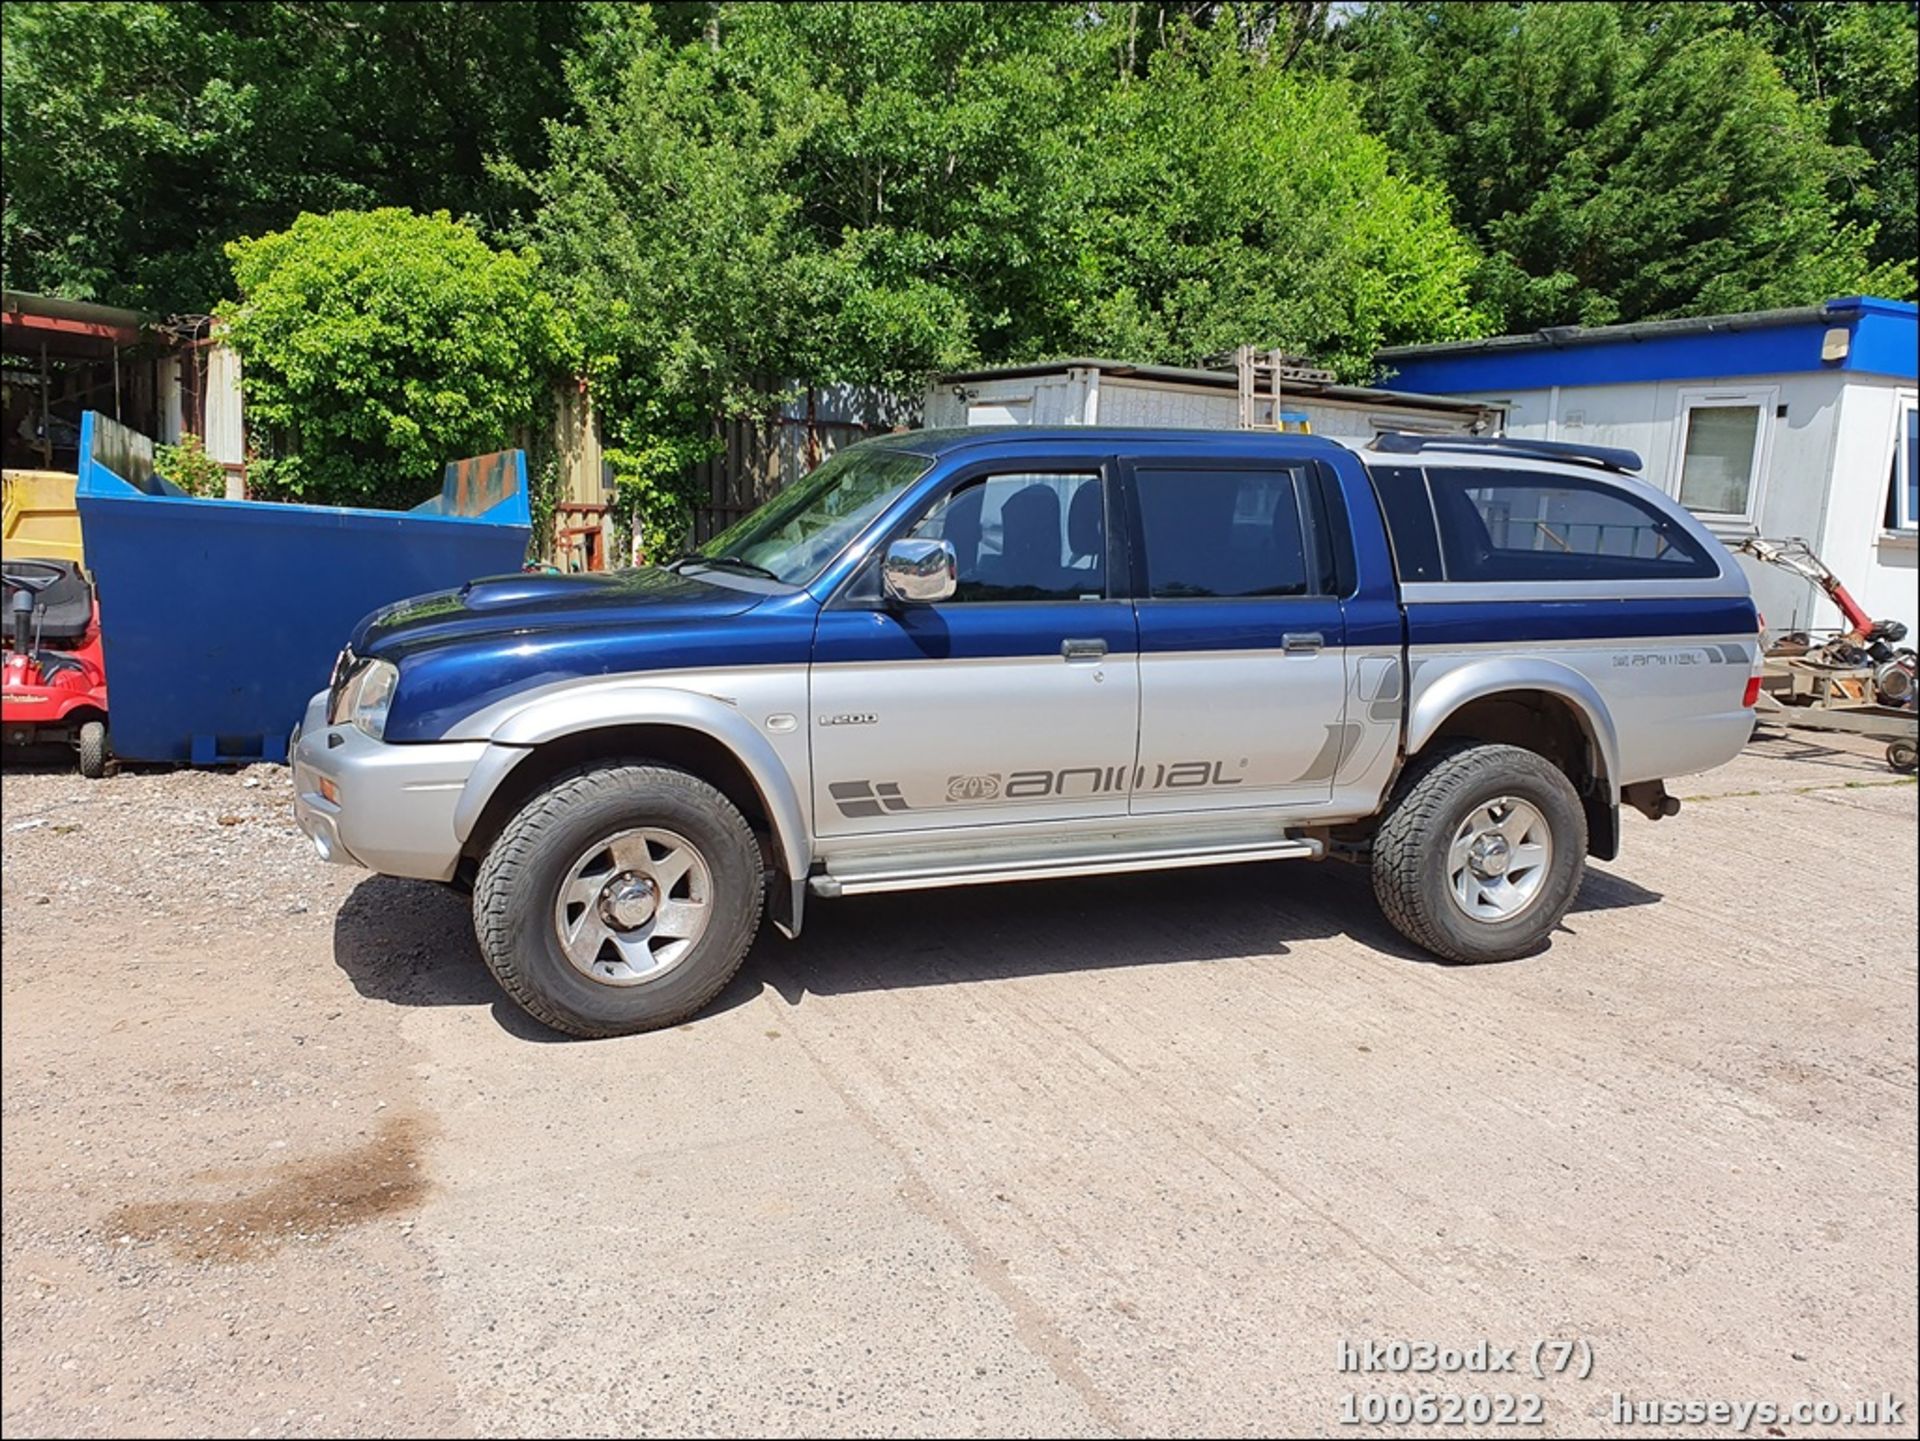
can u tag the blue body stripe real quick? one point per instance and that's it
(1523, 622)
(445, 686)
(1253, 623)
(972, 632)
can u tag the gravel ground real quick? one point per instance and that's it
(1099, 1157)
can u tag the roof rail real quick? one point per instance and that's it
(1607, 457)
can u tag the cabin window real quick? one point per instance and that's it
(1722, 452)
(1903, 481)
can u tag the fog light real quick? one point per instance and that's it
(330, 790)
(321, 845)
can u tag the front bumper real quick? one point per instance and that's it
(388, 808)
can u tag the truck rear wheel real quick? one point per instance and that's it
(621, 898)
(1481, 852)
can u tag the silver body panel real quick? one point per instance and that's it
(931, 744)
(395, 806)
(759, 714)
(1269, 723)
(1321, 738)
(1652, 708)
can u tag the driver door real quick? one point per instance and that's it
(1016, 700)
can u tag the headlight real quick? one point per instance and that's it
(364, 697)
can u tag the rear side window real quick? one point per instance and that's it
(1510, 525)
(1523, 526)
(1332, 533)
(1403, 500)
(1223, 532)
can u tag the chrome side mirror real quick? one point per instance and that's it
(920, 572)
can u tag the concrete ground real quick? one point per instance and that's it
(1116, 1156)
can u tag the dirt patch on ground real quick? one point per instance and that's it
(311, 1199)
(215, 1150)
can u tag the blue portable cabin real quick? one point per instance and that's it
(220, 618)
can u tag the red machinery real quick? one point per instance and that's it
(54, 687)
(1866, 644)
(1859, 681)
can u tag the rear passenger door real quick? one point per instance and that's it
(1242, 645)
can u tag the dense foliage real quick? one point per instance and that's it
(189, 466)
(1623, 162)
(876, 192)
(140, 137)
(379, 345)
(724, 197)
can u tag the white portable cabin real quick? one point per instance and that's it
(1112, 392)
(1786, 423)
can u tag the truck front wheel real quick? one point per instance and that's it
(1481, 852)
(621, 898)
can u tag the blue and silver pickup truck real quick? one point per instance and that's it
(951, 657)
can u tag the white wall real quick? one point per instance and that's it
(172, 417)
(225, 436)
(1876, 564)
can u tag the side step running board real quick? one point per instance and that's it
(935, 874)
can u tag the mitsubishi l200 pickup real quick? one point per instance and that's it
(956, 657)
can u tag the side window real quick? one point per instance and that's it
(1332, 533)
(1511, 525)
(1722, 449)
(1223, 533)
(1903, 481)
(1025, 537)
(1403, 500)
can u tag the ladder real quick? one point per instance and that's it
(1270, 371)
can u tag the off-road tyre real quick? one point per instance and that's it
(1433, 800)
(518, 886)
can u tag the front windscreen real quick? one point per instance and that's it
(803, 527)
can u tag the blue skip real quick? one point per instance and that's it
(219, 618)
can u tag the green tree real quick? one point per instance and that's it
(931, 139)
(1861, 62)
(1618, 161)
(137, 137)
(1222, 200)
(664, 212)
(378, 345)
(875, 192)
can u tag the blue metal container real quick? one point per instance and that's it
(220, 618)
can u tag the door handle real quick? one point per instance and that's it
(1302, 642)
(1083, 649)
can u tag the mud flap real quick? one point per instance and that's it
(1603, 827)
